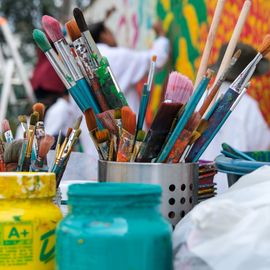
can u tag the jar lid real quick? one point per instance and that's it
(113, 189)
(27, 185)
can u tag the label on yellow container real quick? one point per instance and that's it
(27, 228)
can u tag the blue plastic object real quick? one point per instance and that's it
(235, 168)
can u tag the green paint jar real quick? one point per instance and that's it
(114, 226)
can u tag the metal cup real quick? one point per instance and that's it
(179, 183)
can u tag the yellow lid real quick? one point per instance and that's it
(27, 185)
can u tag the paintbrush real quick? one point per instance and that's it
(46, 144)
(215, 88)
(7, 131)
(195, 136)
(202, 143)
(146, 94)
(23, 121)
(53, 30)
(137, 146)
(118, 120)
(11, 155)
(61, 162)
(58, 143)
(30, 136)
(108, 121)
(125, 146)
(92, 127)
(60, 152)
(66, 158)
(89, 66)
(183, 139)
(210, 41)
(62, 72)
(235, 37)
(103, 142)
(158, 131)
(230, 98)
(73, 133)
(2, 161)
(187, 112)
(40, 129)
(111, 90)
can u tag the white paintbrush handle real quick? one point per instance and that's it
(235, 37)
(209, 42)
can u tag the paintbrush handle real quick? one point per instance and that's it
(188, 111)
(88, 95)
(143, 107)
(26, 164)
(215, 122)
(210, 41)
(235, 37)
(115, 99)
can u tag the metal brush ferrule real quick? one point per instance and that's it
(68, 59)
(60, 69)
(241, 81)
(85, 56)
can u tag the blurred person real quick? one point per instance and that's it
(45, 82)
(246, 128)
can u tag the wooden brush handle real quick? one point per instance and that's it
(234, 39)
(209, 42)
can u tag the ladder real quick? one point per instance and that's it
(9, 68)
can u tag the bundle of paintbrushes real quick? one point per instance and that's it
(185, 122)
(30, 152)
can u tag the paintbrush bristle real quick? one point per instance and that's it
(73, 30)
(237, 54)
(46, 144)
(78, 122)
(41, 40)
(179, 88)
(202, 126)
(78, 15)
(52, 28)
(22, 119)
(117, 114)
(140, 136)
(128, 120)
(209, 73)
(165, 116)
(108, 121)
(102, 135)
(5, 125)
(12, 151)
(40, 108)
(33, 118)
(265, 47)
(68, 132)
(90, 119)
(154, 58)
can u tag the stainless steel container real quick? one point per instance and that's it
(179, 183)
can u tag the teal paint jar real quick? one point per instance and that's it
(114, 226)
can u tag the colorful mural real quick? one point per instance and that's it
(186, 23)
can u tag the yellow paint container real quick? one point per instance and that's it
(28, 219)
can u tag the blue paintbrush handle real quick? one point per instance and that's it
(188, 111)
(215, 122)
(88, 96)
(143, 107)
